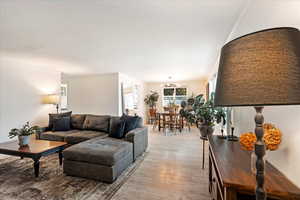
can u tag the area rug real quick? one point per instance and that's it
(17, 181)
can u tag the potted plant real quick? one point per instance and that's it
(207, 115)
(151, 100)
(24, 133)
(204, 114)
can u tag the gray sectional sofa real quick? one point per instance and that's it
(92, 153)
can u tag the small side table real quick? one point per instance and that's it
(203, 150)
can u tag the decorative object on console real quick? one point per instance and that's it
(203, 113)
(24, 133)
(207, 115)
(272, 139)
(260, 69)
(232, 137)
(51, 99)
(222, 136)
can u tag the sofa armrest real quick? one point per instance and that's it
(139, 138)
(38, 134)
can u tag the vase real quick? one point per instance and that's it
(24, 140)
(206, 130)
(253, 162)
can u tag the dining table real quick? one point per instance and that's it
(175, 117)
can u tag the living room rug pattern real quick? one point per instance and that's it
(17, 181)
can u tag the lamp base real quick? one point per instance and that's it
(57, 108)
(232, 138)
(260, 151)
(203, 138)
(222, 136)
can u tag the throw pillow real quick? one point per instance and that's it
(131, 122)
(77, 121)
(117, 128)
(52, 116)
(61, 124)
(97, 123)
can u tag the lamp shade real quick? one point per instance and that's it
(50, 99)
(261, 68)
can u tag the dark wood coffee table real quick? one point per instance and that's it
(35, 150)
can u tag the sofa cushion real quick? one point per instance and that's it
(83, 135)
(131, 122)
(97, 123)
(61, 124)
(56, 136)
(117, 127)
(77, 121)
(52, 116)
(104, 151)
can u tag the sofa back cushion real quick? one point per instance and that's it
(131, 122)
(117, 127)
(61, 124)
(97, 123)
(140, 123)
(77, 121)
(60, 115)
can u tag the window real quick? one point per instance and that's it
(174, 95)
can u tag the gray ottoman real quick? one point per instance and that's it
(102, 159)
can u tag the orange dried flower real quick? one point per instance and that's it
(267, 126)
(272, 138)
(247, 141)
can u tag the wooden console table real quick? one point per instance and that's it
(230, 176)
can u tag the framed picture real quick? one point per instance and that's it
(64, 97)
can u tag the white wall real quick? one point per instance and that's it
(21, 87)
(94, 94)
(263, 14)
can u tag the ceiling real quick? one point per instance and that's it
(146, 39)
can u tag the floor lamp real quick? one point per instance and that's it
(260, 69)
(51, 99)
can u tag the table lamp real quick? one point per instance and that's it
(51, 99)
(260, 69)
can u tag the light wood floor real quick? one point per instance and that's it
(172, 170)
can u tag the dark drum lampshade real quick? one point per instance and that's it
(261, 68)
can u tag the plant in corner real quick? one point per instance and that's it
(151, 99)
(23, 133)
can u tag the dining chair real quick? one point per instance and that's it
(152, 115)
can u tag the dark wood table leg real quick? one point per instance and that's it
(60, 155)
(159, 122)
(210, 173)
(36, 166)
(230, 194)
